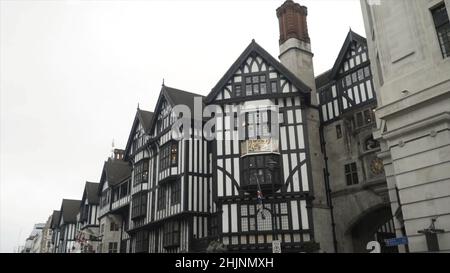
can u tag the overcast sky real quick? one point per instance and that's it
(73, 72)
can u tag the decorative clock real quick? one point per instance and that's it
(376, 166)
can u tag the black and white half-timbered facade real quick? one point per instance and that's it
(54, 226)
(171, 200)
(272, 156)
(67, 225)
(87, 220)
(260, 156)
(355, 174)
(348, 85)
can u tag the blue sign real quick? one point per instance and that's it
(396, 241)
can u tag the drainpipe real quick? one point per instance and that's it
(327, 187)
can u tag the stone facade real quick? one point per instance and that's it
(413, 115)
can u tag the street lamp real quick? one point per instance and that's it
(431, 236)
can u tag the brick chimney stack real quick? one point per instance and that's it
(295, 44)
(296, 55)
(292, 20)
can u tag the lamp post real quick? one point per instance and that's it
(431, 236)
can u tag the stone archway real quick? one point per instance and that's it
(374, 224)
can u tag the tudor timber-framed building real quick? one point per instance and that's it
(182, 201)
(189, 202)
(171, 202)
(113, 211)
(358, 188)
(88, 227)
(67, 224)
(293, 159)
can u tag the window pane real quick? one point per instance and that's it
(265, 130)
(248, 90)
(348, 80)
(347, 168)
(349, 179)
(251, 162)
(263, 88)
(252, 224)
(244, 224)
(238, 90)
(244, 210)
(251, 118)
(256, 89)
(260, 162)
(354, 77)
(366, 71)
(360, 74)
(274, 87)
(355, 178)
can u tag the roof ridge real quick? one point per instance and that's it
(181, 90)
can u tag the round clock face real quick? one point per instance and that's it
(376, 166)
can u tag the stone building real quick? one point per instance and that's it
(409, 43)
(353, 173)
(46, 241)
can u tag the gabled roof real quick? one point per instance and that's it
(114, 171)
(55, 219)
(176, 97)
(252, 48)
(69, 210)
(323, 79)
(90, 192)
(351, 37)
(145, 118)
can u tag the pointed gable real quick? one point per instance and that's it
(90, 193)
(349, 83)
(114, 171)
(352, 53)
(168, 98)
(141, 125)
(55, 219)
(256, 74)
(69, 211)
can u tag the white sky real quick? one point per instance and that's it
(73, 72)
